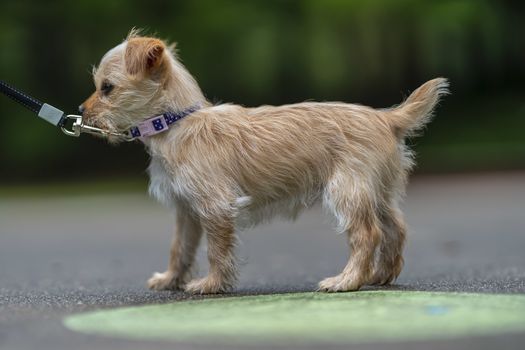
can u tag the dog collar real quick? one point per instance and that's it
(159, 123)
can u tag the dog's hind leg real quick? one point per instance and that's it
(182, 253)
(389, 259)
(351, 202)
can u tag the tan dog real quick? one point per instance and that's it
(225, 166)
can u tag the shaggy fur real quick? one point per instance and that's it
(228, 166)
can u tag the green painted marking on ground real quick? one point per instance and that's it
(312, 317)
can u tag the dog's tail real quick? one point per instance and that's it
(413, 114)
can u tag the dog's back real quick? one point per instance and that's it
(280, 159)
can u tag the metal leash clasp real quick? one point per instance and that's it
(78, 127)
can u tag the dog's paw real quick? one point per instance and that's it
(339, 283)
(163, 281)
(206, 285)
(386, 273)
(381, 278)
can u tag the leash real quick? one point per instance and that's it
(70, 124)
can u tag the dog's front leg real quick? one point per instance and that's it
(221, 243)
(188, 233)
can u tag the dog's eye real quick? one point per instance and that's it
(106, 88)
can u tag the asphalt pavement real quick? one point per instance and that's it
(61, 255)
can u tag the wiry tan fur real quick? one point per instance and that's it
(228, 166)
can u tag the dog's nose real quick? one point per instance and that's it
(81, 109)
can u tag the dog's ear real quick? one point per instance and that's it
(144, 56)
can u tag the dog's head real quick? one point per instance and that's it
(135, 80)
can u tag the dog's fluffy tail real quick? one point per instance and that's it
(413, 114)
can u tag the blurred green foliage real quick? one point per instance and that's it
(273, 52)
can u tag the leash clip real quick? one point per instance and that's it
(75, 127)
(78, 127)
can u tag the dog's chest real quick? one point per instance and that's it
(161, 182)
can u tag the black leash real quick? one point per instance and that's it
(70, 124)
(45, 111)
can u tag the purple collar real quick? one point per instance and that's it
(159, 123)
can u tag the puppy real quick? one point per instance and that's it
(223, 167)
